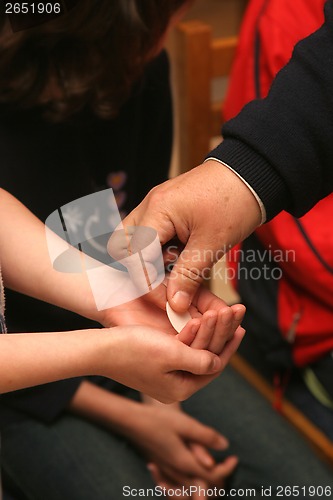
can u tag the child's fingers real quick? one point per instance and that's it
(223, 470)
(229, 319)
(239, 313)
(189, 332)
(194, 312)
(213, 329)
(206, 331)
(231, 347)
(202, 455)
(224, 330)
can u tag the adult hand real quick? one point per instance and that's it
(209, 209)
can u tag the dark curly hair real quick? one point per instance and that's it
(94, 53)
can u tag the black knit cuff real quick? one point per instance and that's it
(258, 173)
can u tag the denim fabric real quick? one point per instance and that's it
(2, 307)
(73, 459)
(2, 330)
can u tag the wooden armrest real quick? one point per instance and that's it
(317, 439)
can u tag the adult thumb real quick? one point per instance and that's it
(192, 267)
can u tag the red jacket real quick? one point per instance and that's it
(269, 32)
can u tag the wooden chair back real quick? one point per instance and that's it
(200, 59)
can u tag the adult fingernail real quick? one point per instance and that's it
(181, 300)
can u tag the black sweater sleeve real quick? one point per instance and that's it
(45, 402)
(46, 165)
(283, 145)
